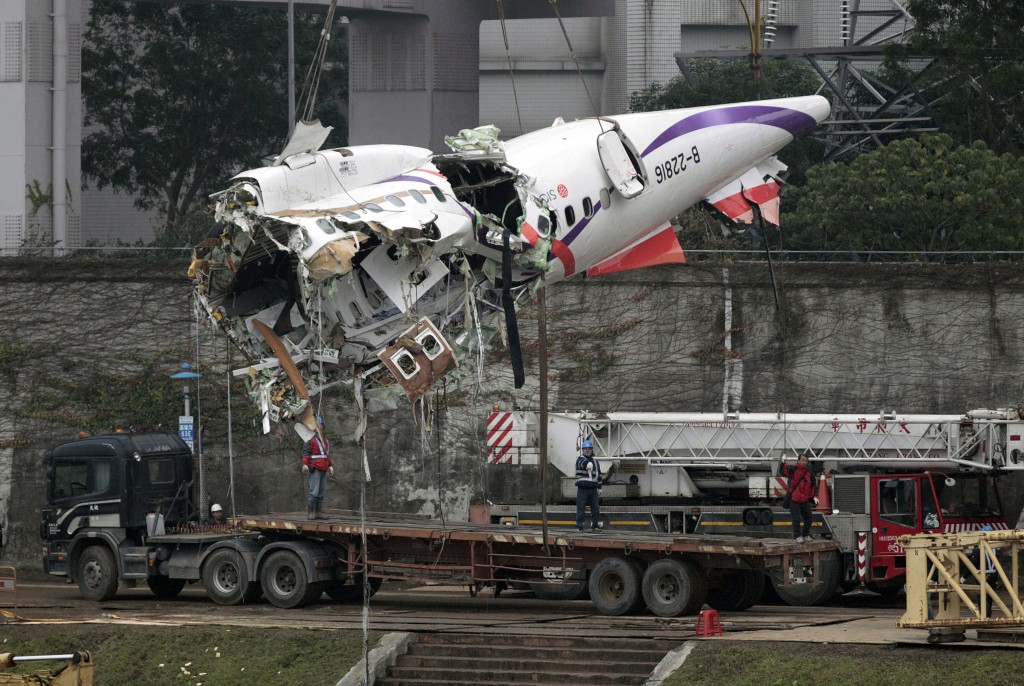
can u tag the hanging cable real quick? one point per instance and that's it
(204, 512)
(572, 54)
(231, 454)
(511, 71)
(311, 86)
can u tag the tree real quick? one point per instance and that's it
(978, 79)
(912, 195)
(713, 82)
(179, 98)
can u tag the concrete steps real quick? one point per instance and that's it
(464, 659)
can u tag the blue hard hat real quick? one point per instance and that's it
(588, 444)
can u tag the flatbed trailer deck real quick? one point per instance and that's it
(671, 574)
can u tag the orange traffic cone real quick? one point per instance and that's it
(824, 501)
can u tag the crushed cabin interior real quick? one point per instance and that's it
(488, 185)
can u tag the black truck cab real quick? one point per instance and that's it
(105, 486)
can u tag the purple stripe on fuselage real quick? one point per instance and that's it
(409, 178)
(793, 121)
(571, 236)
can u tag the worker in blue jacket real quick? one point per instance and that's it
(588, 487)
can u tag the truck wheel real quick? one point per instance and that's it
(817, 593)
(340, 592)
(615, 586)
(165, 587)
(565, 591)
(97, 573)
(226, 578)
(738, 591)
(284, 581)
(674, 587)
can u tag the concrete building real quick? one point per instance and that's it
(41, 124)
(419, 70)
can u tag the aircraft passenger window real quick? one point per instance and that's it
(543, 225)
(372, 206)
(570, 216)
(588, 207)
(438, 193)
(417, 196)
(606, 198)
(394, 200)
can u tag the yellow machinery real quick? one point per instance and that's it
(78, 671)
(965, 580)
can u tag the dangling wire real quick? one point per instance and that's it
(231, 454)
(311, 86)
(572, 54)
(511, 71)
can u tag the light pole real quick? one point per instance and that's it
(189, 431)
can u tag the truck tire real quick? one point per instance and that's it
(674, 587)
(739, 590)
(226, 578)
(340, 592)
(817, 593)
(615, 586)
(97, 573)
(283, 579)
(565, 591)
(165, 587)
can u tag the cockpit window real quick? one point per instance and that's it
(395, 200)
(438, 193)
(325, 225)
(417, 196)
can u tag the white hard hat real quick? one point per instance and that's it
(216, 508)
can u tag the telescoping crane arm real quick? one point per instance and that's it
(734, 447)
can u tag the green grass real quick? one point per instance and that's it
(811, 664)
(207, 655)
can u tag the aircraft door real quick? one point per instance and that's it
(619, 164)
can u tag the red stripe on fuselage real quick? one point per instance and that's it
(562, 252)
(558, 248)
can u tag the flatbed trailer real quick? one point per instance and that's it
(118, 511)
(671, 574)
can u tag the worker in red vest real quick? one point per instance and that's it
(800, 494)
(316, 465)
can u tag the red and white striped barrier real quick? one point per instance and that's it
(499, 437)
(862, 555)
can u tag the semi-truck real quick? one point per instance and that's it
(881, 475)
(119, 511)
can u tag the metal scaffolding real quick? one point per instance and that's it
(962, 581)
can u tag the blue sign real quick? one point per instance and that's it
(186, 429)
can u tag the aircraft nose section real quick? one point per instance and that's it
(817, 107)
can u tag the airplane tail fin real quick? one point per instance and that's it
(757, 186)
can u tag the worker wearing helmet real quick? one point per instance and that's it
(316, 465)
(588, 487)
(216, 514)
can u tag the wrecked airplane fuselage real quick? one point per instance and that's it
(389, 264)
(326, 288)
